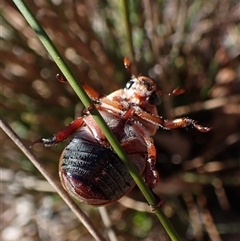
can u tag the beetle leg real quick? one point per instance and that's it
(151, 173)
(94, 95)
(110, 105)
(62, 135)
(159, 202)
(184, 122)
(171, 124)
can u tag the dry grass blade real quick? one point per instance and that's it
(72, 205)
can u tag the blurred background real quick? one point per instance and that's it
(191, 44)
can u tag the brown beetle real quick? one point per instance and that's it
(89, 169)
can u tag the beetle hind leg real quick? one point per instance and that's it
(152, 176)
(151, 173)
(159, 202)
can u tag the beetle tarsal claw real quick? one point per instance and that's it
(35, 142)
(46, 142)
(49, 141)
(154, 208)
(159, 203)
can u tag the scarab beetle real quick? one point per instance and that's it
(89, 169)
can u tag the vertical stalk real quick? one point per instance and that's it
(97, 117)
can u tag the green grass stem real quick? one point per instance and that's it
(30, 18)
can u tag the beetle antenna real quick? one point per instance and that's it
(175, 92)
(127, 64)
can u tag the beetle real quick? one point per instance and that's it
(89, 169)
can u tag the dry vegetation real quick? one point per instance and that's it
(192, 44)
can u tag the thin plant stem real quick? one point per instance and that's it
(126, 17)
(51, 179)
(107, 223)
(97, 117)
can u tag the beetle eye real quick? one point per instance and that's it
(129, 84)
(154, 98)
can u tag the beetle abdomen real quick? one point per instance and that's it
(93, 173)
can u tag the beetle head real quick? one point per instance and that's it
(141, 91)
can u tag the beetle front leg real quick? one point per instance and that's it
(62, 135)
(94, 95)
(184, 122)
(102, 100)
(171, 124)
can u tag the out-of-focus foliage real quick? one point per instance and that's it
(192, 44)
